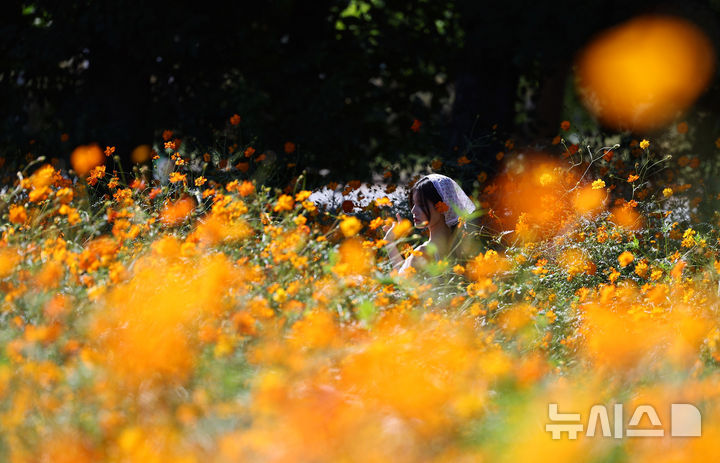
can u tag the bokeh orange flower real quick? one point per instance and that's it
(85, 157)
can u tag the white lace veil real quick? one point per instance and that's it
(452, 195)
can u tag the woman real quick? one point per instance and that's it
(435, 202)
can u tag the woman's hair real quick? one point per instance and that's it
(427, 192)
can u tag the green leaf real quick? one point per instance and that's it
(366, 310)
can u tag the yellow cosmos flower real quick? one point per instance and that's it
(302, 196)
(284, 203)
(402, 228)
(350, 226)
(383, 202)
(309, 206)
(598, 184)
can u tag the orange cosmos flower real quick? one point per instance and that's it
(376, 222)
(625, 258)
(177, 177)
(174, 213)
(232, 186)
(17, 214)
(246, 188)
(154, 192)
(441, 207)
(64, 195)
(138, 184)
(284, 203)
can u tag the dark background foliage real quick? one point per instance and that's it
(344, 80)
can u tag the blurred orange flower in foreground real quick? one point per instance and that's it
(17, 214)
(528, 199)
(85, 157)
(354, 258)
(175, 212)
(350, 226)
(660, 65)
(141, 153)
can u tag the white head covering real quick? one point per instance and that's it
(452, 195)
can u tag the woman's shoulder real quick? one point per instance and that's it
(429, 250)
(418, 258)
(426, 250)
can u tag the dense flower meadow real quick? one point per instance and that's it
(201, 318)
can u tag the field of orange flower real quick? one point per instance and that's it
(206, 320)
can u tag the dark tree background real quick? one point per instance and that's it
(342, 79)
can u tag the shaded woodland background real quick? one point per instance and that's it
(343, 80)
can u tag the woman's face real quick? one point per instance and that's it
(419, 217)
